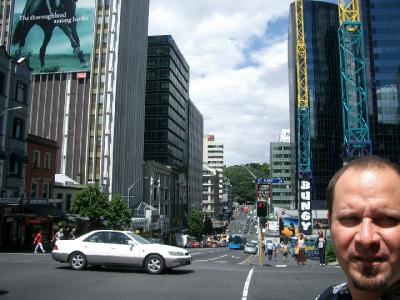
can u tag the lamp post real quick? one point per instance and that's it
(11, 108)
(131, 187)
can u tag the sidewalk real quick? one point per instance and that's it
(290, 262)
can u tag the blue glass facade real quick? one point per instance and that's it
(381, 21)
(321, 23)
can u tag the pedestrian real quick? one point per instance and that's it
(301, 249)
(71, 235)
(285, 251)
(58, 236)
(321, 248)
(270, 249)
(38, 242)
(363, 200)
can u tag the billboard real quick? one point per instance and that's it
(53, 35)
(288, 227)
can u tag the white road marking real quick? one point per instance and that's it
(281, 266)
(246, 284)
(218, 257)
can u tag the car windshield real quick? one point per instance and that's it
(138, 238)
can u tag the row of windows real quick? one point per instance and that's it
(36, 159)
(35, 190)
(21, 89)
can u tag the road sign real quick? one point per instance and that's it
(276, 180)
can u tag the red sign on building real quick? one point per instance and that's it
(81, 75)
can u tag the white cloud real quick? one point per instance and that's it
(241, 90)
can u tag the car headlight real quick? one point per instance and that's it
(176, 253)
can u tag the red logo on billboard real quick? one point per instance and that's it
(211, 138)
(81, 75)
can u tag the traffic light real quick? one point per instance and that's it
(261, 208)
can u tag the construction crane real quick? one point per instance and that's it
(353, 82)
(303, 125)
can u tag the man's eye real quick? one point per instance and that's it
(387, 221)
(349, 220)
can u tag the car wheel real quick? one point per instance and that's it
(154, 264)
(77, 261)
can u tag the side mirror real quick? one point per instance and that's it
(132, 243)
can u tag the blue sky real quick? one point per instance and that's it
(237, 53)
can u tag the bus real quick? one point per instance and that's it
(237, 241)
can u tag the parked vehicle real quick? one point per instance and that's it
(214, 244)
(196, 244)
(112, 247)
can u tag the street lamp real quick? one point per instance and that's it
(132, 185)
(11, 108)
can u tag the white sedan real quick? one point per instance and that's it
(111, 247)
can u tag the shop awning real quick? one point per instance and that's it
(44, 210)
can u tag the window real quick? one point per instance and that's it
(18, 128)
(34, 190)
(46, 190)
(68, 202)
(119, 238)
(20, 92)
(98, 237)
(36, 159)
(15, 166)
(47, 159)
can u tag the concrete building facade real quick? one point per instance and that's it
(97, 117)
(283, 195)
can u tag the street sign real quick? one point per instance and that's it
(276, 180)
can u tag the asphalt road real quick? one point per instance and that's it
(214, 274)
(217, 273)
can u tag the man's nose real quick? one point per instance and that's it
(367, 234)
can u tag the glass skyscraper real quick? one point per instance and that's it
(167, 97)
(321, 23)
(381, 24)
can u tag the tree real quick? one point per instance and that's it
(118, 215)
(243, 185)
(196, 224)
(90, 202)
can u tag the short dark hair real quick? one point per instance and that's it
(364, 162)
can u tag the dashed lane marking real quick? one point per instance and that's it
(218, 257)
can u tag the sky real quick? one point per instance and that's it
(237, 53)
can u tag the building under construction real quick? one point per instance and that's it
(344, 86)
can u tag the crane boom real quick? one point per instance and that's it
(303, 125)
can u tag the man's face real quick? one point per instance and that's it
(365, 227)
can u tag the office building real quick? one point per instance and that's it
(381, 25)
(195, 159)
(167, 97)
(321, 23)
(283, 195)
(90, 97)
(211, 202)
